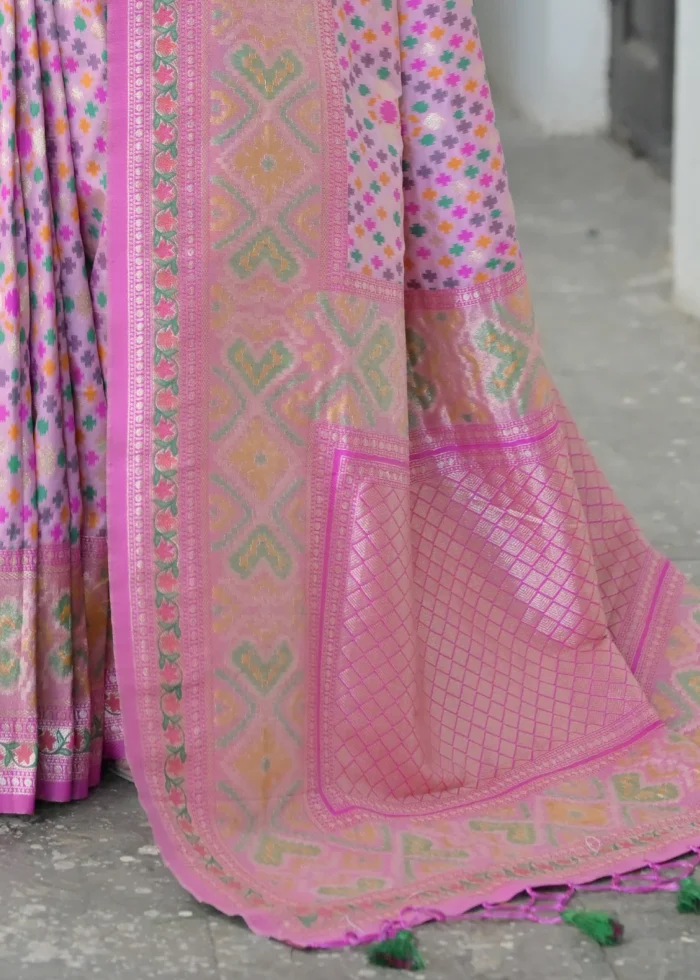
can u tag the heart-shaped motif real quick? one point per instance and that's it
(257, 374)
(268, 80)
(263, 674)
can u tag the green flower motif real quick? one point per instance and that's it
(62, 612)
(10, 630)
(62, 659)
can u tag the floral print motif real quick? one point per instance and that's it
(371, 75)
(53, 409)
(52, 189)
(457, 215)
(10, 627)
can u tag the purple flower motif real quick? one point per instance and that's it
(12, 301)
(24, 142)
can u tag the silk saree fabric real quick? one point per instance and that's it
(387, 646)
(59, 704)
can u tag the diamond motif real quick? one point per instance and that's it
(258, 459)
(269, 163)
(263, 763)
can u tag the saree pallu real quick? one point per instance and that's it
(59, 708)
(387, 645)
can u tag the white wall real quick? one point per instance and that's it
(685, 233)
(549, 59)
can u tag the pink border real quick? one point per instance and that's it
(123, 35)
(461, 299)
(120, 33)
(118, 363)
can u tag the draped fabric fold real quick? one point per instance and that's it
(388, 647)
(59, 710)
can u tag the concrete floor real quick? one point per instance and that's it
(82, 890)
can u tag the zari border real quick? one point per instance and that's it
(127, 220)
(142, 31)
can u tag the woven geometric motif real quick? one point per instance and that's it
(465, 640)
(286, 558)
(502, 374)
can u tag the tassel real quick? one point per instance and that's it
(604, 928)
(399, 953)
(688, 896)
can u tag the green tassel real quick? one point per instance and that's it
(399, 953)
(688, 896)
(604, 928)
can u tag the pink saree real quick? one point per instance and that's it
(388, 648)
(59, 705)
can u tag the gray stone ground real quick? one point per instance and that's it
(83, 893)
